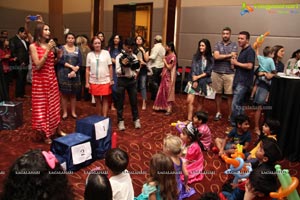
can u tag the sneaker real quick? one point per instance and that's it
(137, 124)
(121, 126)
(218, 116)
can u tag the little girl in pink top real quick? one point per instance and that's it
(199, 122)
(193, 158)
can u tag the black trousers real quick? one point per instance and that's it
(154, 81)
(20, 82)
(129, 85)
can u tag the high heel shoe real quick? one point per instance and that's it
(48, 141)
(64, 117)
(74, 116)
(168, 113)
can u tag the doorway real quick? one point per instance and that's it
(133, 19)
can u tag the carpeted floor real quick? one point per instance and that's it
(140, 144)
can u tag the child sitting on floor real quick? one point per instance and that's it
(193, 158)
(269, 129)
(117, 161)
(36, 175)
(238, 135)
(260, 184)
(97, 185)
(200, 122)
(162, 182)
(267, 155)
(172, 147)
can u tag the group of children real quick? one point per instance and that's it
(170, 171)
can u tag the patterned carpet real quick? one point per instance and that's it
(140, 144)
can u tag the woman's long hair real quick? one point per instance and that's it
(275, 49)
(111, 44)
(208, 53)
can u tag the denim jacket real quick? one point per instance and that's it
(197, 68)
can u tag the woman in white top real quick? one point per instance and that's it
(99, 76)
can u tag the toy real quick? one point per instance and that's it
(114, 140)
(260, 40)
(179, 125)
(237, 164)
(288, 185)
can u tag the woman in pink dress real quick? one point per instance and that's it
(166, 92)
(193, 155)
(45, 93)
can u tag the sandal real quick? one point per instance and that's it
(61, 133)
(168, 113)
(48, 141)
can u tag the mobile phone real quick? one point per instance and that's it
(33, 17)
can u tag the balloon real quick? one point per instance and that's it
(288, 185)
(260, 40)
(287, 191)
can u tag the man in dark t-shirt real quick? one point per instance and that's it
(243, 77)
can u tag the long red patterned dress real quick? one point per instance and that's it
(45, 95)
(166, 91)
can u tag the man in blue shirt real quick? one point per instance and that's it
(243, 77)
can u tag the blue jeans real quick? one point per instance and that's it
(237, 106)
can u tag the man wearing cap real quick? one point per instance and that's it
(156, 64)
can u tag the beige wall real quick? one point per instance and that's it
(196, 3)
(208, 21)
(26, 5)
(77, 6)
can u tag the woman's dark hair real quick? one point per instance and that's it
(66, 36)
(172, 47)
(39, 184)
(143, 39)
(208, 53)
(98, 187)
(111, 44)
(38, 31)
(275, 49)
(102, 42)
(295, 52)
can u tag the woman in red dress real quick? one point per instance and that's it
(166, 92)
(45, 93)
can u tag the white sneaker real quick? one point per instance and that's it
(121, 126)
(137, 124)
(218, 116)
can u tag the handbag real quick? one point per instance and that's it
(211, 93)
